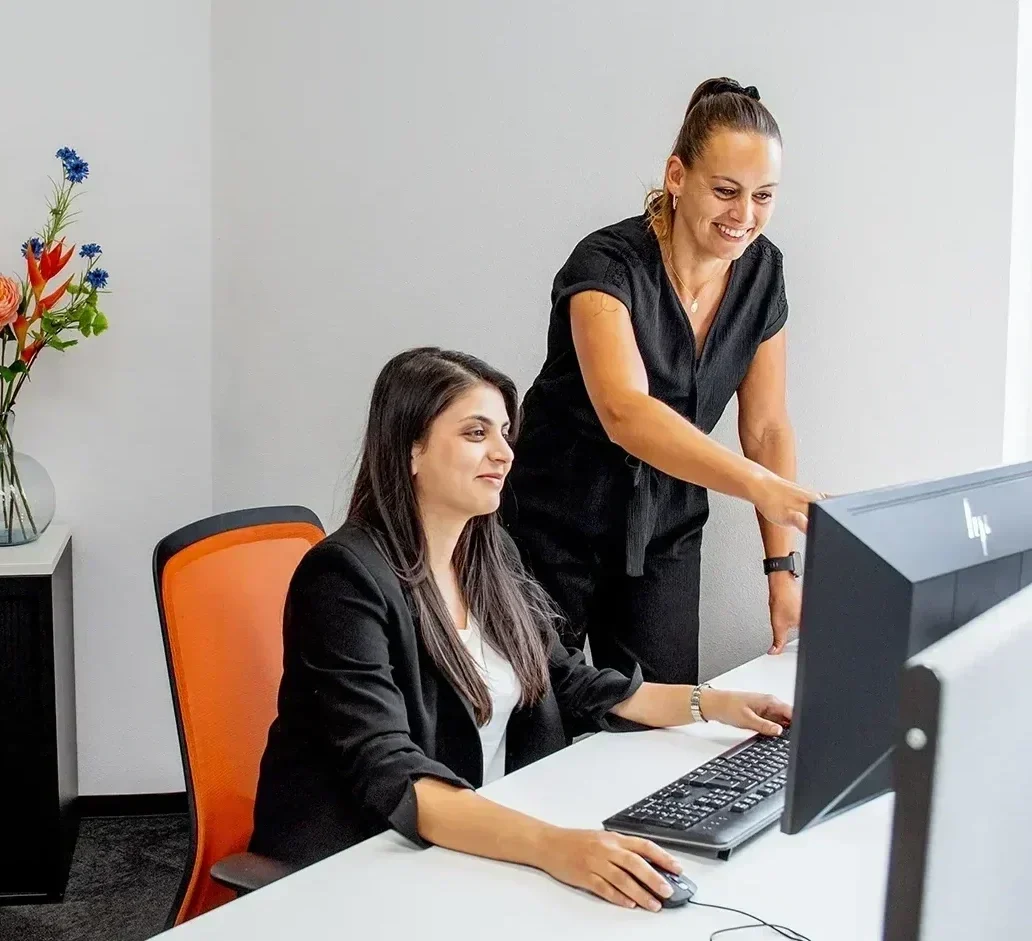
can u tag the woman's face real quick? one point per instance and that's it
(725, 200)
(460, 466)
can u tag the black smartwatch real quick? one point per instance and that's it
(793, 562)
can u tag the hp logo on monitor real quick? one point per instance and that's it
(977, 527)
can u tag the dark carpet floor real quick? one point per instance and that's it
(124, 876)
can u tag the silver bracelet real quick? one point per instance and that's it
(697, 715)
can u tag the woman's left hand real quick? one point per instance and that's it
(758, 712)
(786, 602)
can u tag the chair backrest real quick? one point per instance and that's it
(221, 584)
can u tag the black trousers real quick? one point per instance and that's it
(651, 620)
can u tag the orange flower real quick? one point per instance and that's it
(36, 280)
(30, 351)
(52, 261)
(10, 299)
(51, 299)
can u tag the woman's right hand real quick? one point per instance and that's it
(606, 864)
(784, 502)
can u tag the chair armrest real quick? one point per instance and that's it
(246, 872)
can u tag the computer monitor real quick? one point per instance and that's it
(888, 572)
(961, 831)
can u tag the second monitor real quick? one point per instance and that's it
(887, 573)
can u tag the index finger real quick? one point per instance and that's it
(652, 852)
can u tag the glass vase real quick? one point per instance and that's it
(27, 497)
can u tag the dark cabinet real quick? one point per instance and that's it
(38, 763)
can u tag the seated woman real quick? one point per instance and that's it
(421, 661)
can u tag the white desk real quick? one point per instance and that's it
(828, 882)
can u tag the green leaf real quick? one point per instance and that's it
(84, 327)
(6, 374)
(100, 324)
(74, 289)
(62, 345)
(18, 366)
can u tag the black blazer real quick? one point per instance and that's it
(364, 712)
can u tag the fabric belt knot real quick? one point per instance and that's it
(641, 514)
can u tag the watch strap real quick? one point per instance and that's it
(782, 563)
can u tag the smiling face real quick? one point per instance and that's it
(460, 465)
(726, 198)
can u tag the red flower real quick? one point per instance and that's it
(52, 261)
(30, 351)
(36, 280)
(51, 299)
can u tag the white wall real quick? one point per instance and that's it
(1017, 421)
(895, 217)
(385, 178)
(122, 422)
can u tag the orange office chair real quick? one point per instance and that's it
(220, 584)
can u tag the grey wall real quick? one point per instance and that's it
(1017, 414)
(123, 421)
(386, 177)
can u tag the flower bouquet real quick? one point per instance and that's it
(34, 315)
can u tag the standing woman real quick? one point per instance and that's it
(656, 322)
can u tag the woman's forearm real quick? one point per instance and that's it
(660, 705)
(463, 820)
(656, 434)
(774, 449)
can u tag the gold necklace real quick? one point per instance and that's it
(684, 287)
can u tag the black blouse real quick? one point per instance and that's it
(364, 712)
(567, 473)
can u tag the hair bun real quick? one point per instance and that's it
(727, 86)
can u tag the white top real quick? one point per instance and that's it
(829, 881)
(39, 557)
(505, 692)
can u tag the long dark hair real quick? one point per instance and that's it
(717, 104)
(510, 607)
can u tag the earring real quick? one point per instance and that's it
(675, 202)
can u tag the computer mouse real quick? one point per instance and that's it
(683, 888)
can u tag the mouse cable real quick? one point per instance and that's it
(789, 933)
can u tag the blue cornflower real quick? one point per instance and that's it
(65, 154)
(97, 278)
(89, 250)
(37, 247)
(76, 170)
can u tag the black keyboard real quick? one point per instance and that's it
(720, 804)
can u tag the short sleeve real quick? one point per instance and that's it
(777, 306)
(598, 263)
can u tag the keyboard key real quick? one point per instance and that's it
(706, 799)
